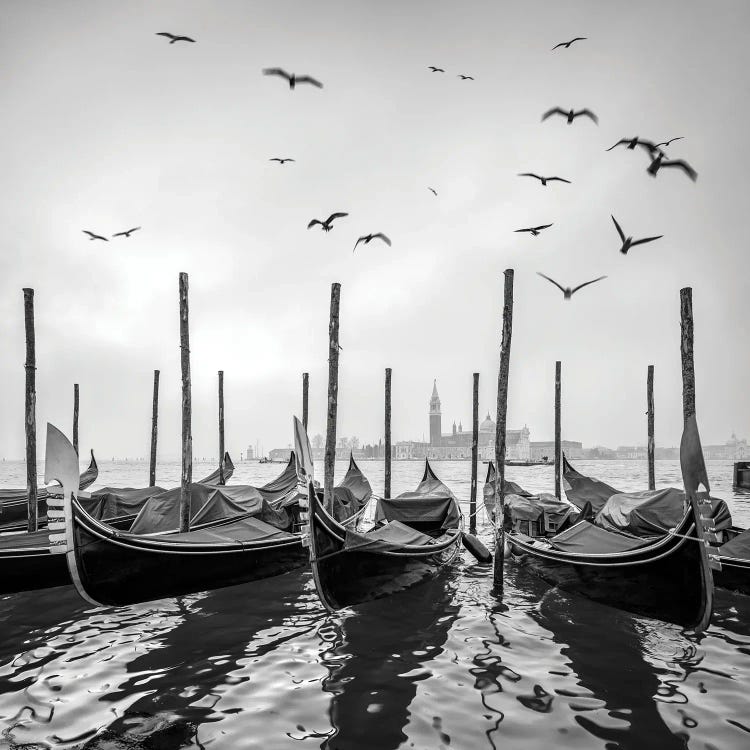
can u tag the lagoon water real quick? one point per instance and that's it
(446, 665)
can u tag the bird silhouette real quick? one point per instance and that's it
(534, 230)
(432, 190)
(292, 78)
(281, 161)
(543, 180)
(370, 237)
(326, 225)
(628, 242)
(174, 37)
(126, 233)
(659, 161)
(436, 70)
(465, 78)
(567, 291)
(666, 143)
(571, 114)
(93, 236)
(567, 44)
(632, 143)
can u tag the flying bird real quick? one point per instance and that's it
(659, 160)
(628, 242)
(174, 37)
(326, 225)
(432, 190)
(535, 230)
(567, 291)
(543, 180)
(571, 114)
(666, 143)
(465, 78)
(436, 70)
(126, 233)
(632, 143)
(292, 78)
(281, 161)
(370, 237)
(567, 44)
(93, 236)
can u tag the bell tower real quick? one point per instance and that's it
(435, 417)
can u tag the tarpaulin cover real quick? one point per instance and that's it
(214, 476)
(738, 547)
(530, 508)
(283, 484)
(490, 498)
(580, 489)
(645, 513)
(112, 502)
(242, 530)
(431, 502)
(207, 503)
(391, 536)
(587, 539)
(26, 540)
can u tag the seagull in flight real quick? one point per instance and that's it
(567, 44)
(174, 37)
(543, 180)
(126, 233)
(370, 237)
(436, 70)
(659, 160)
(534, 230)
(281, 161)
(93, 236)
(432, 190)
(666, 143)
(465, 78)
(628, 242)
(292, 78)
(567, 291)
(571, 114)
(632, 143)
(326, 225)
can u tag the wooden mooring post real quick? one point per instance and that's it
(154, 431)
(305, 397)
(187, 437)
(75, 417)
(686, 351)
(387, 472)
(474, 456)
(30, 409)
(221, 426)
(333, 395)
(558, 429)
(651, 448)
(502, 413)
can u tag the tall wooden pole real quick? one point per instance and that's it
(651, 448)
(474, 457)
(686, 350)
(30, 408)
(558, 431)
(187, 437)
(387, 481)
(333, 395)
(502, 412)
(75, 417)
(154, 431)
(305, 397)
(221, 426)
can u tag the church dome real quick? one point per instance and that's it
(487, 425)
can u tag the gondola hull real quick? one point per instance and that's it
(31, 568)
(667, 580)
(347, 577)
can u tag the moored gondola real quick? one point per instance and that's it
(666, 576)
(415, 535)
(236, 536)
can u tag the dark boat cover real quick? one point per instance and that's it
(586, 538)
(511, 488)
(580, 489)
(431, 502)
(113, 502)
(391, 536)
(739, 547)
(242, 530)
(161, 513)
(283, 484)
(530, 507)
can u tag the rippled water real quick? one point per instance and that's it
(446, 665)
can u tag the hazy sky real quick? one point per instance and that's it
(107, 126)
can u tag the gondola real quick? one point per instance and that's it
(734, 541)
(236, 536)
(415, 535)
(666, 576)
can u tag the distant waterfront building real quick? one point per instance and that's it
(457, 442)
(733, 450)
(571, 448)
(250, 455)
(279, 454)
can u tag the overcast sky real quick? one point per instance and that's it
(107, 126)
